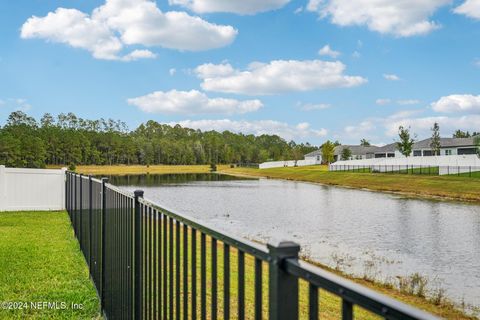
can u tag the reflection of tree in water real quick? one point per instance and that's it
(159, 179)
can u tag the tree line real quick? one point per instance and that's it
(71, 140)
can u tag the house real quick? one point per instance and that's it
(357, 152)
(388, 151)
(448, 147)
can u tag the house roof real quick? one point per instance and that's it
(387, 148)
(446, 143)
(355, 149)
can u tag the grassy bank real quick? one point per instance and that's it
(40, 262)
(138, 169)
(445, 187)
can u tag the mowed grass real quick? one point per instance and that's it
(139, 169)
(461, 188)
(329, 305)
(40, 261)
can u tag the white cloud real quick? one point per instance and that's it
(365, 127)
(327, 51)
(391, 77)
(119, 23)
(139, 54)
(243, 7)
(421, 126)
(407, 102)
(278, 76)
(172, 71)
(192, 102)
(457, 103)
(313, 106)
(259, 127)
(470, 8)
(298, 10)
(402, 102)
(382, 102)
(401, 18)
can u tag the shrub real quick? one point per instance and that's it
(72, 167)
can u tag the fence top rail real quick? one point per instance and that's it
(354, 293)
(86, 177)
(119, 190)
(257, 250)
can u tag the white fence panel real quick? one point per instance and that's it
(32, 189)
(288, 163)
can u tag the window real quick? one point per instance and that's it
(427, 153)
(417, 153)
(448, 152)
(391, 155)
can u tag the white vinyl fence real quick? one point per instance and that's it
(288, 163)
(32, 189)
(455, 164)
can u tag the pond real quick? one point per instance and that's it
(378, 235)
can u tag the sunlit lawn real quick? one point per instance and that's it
(40, 261)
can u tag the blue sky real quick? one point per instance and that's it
(307, 70)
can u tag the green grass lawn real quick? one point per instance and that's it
(40, 261)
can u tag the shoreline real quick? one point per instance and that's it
(410, 195)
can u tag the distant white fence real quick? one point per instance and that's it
(455, 164)
(32, 189)
(288, 163)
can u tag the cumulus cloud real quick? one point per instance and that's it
(361, 129)
(119, 23)
(259, 127)
(470, 8)
(400, 18)
(192, 102)
(421, 126)
(457, 103)
(243, 7)
(391, 77)
(278, 76)
(327, 51)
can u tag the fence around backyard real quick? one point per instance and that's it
(31, 189)
(463, 171)
(148, 262)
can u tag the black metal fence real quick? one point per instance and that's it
(148, 262)
(463, 171)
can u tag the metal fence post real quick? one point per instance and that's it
(75, 177)
(90, 208)
(283, 287)
(103, 246)
(138, 256)
(80, 227)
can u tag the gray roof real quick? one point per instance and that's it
(356, 149)
(446, 143)
(314, 153)
(387, 148)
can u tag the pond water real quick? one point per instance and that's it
(364, 233)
